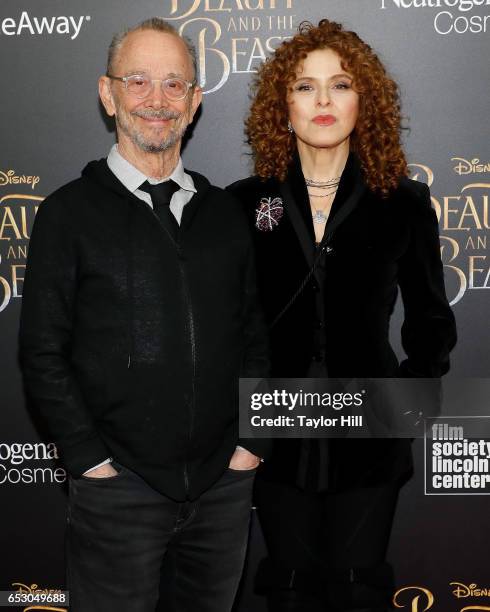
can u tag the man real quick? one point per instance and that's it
(139, 315)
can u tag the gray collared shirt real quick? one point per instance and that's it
(132, 179)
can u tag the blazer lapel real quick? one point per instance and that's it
(347, 207)
(298, 222)
(295, 198)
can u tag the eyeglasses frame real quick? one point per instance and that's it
(190, 84)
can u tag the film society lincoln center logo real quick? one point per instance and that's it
(457, 456)
(18, 207)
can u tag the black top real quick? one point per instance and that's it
(376, 247)
(132, 339)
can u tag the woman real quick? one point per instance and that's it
(331, 194)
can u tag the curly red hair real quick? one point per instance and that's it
(376, 137)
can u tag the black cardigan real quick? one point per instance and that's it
(131, 343)
(382, 244)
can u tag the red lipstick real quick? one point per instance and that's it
(324, 120)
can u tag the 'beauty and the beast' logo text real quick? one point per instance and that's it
(420, 599)
(17, 212)
(233, 36)
(464, 221)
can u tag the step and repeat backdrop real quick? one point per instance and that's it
(51, 122)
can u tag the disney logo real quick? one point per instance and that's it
(463, 590)
(420, 599)
(34, 589)
(469, 167)
(11, 178)
(40, 598)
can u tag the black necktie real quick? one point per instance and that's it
(161, 194)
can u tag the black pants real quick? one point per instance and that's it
(326, 551)
(120, 530)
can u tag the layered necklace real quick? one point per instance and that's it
(326, 188)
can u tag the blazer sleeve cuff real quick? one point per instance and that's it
(82, 456)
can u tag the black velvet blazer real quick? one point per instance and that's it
(376, 246)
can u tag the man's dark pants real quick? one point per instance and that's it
(120, 530)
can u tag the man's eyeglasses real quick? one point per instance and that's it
(140, 85)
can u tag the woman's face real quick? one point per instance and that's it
(323, 107)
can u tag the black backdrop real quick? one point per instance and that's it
(51, 124)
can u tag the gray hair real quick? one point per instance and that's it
(157, 25)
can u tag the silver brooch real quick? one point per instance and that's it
(268, 214)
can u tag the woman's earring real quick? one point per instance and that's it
(290, 128)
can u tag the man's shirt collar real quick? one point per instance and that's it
(132, 178)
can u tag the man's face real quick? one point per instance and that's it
(154, 123)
